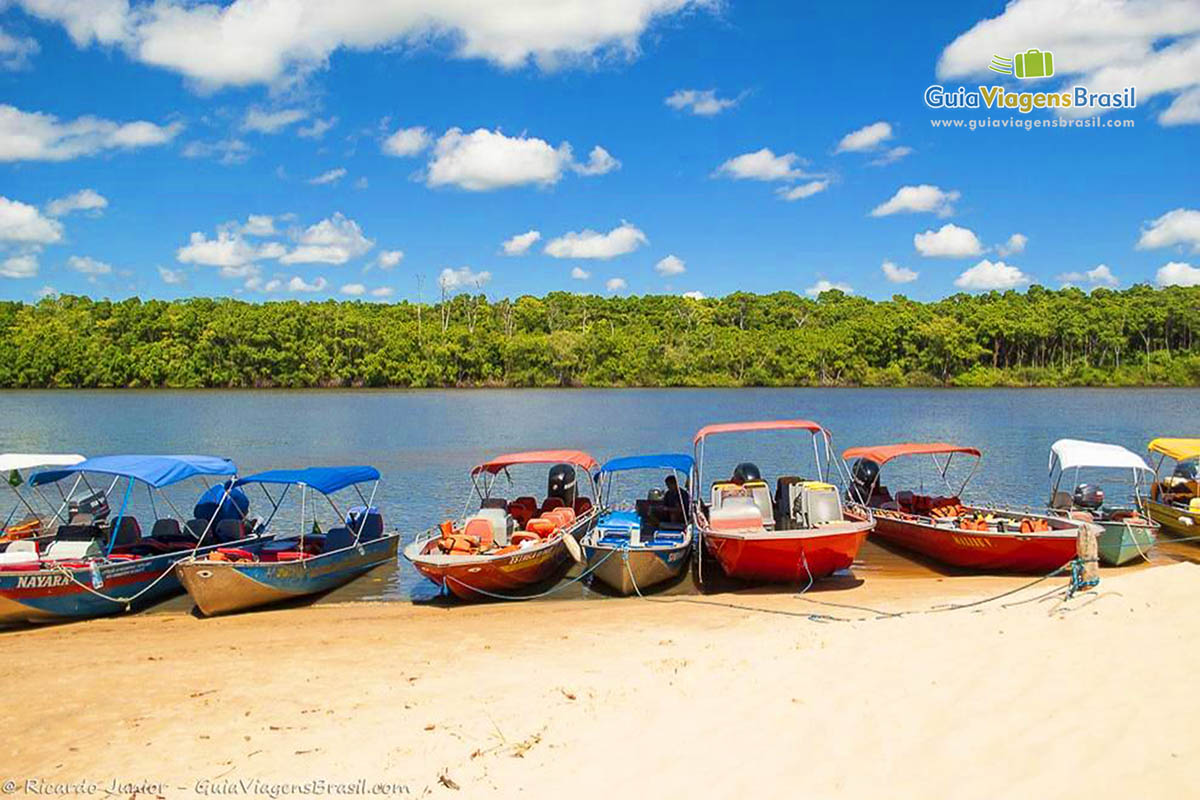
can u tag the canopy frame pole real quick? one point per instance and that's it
(303, 505)
(112, 536)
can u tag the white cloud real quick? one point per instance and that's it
(84, 200)
(224, 151)
(701, 102)
(45, 292)
(917, 199)
(86, 265)
(592, 244)
(382, 292)
(24, 224)
(1181, 226)
(803, 190)
(335, 240)
(519, 245)
(361, 183)
(388, 259)
(987, 275)
(227, 249)
(1099, 275)
(762, 165)
(172, 277)
(670, 266)
(259, 225)
(330, 176)
(298, 284)
(16, 52)
(1106, 46)
(891, 156)
(36, 136)
(1177, 273)
(694, 295)
(353, 289)
(247, 42)
(822, 286)
(407, 142)
(484, 160)
(451, 280)
(1015, 244)
(616, 284)
(948, 241)
(317, 128)
(1184, 109)
(259, 121)
(580, 274)
(600, 162)
(866, 138)
(24, 265)
(897, 274)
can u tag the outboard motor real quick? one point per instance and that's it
(1088, 496)
(561, 484)
(745, 472)
(865, 473)
(92, 507)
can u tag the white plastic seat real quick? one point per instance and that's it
(69, 550)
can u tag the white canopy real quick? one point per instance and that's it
(1072, 453)
(11, 461)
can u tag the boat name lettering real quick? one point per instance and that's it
(41, 581)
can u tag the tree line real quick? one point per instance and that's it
(1040, 337)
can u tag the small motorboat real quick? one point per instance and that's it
(941, 527)
(506, 547)
(231, 579)
(1174, 501)
(27, 527)
(801, 532)
(1126, 532)
(638, 545)
(99, 564)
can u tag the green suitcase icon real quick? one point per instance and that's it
(1033, 63)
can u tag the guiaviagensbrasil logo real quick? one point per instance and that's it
(1033, 63)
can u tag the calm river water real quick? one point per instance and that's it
(424, 442)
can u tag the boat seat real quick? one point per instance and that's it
(581, 506)
(337, 539)
(501, 525)
(1062, 500)
(229, 530)
(166, 530)
(78, 533)
(72, 549)
(521, 512)
(494, 502)
(481, 528)
(551, 503)
(541, 526)
(127, 532)
(367, 522)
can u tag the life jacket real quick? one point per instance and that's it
(1034, 526)
(458, 544)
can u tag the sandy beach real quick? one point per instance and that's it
(729, 695)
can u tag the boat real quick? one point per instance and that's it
(944, 529)
(1126, 532)
(638, 545)
(801, 532)
(96, 565)
(1174, 501)
(230, 579)
(505, 547)
(27, 528)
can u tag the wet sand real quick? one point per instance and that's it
(744, 693)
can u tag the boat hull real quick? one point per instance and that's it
(47, 595)
(630, 570)
(481, 577)
(1121, 544)
(1171, 519)
(221, 587)
(976, 550)
(787, 556)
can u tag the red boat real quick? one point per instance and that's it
(984, 538)
(800, 532)
(508, 546)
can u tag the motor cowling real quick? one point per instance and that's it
(1088, 496)
(562, 483)
(745, 472)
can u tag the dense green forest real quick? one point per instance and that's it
(1138, 336)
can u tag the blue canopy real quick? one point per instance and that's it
(325, 480)
(157, 471)
(676, 461)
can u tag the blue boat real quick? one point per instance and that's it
(96, 564)
(634, 548)
(229, 579)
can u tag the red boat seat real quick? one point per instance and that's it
(552, 503)
(521, 512)
(291, 555)
(558, 516)
(521, 537)
(582, 506)
(542, 527)
(481, 529)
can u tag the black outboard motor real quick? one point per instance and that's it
(865, 473)
(745, 472)
(561, 484)
(1088, 496)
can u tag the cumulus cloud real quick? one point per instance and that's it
(600, 162)
(298, 284)
(866, 138)
(1099, 275)
(353, 289)
(588, 243)
(23, 224)
(224, 151)
(46, 292)
(88, 200)
(1106, 46)
(407, 142)
(694, 295)
(16, 51)
(382, 292)
(762, 165)
(670, 266)
(701, 102)
(1015, 244)
(822, 286)
(948, 241)
(988, 275)
(484, 160)
(1181, 226)
(897, 274)
(259, 121)
(36, 136)
(259, 225)
(452, 280)
(172, 277)
(235, 251)
(803, 190)
(616, 285)
(86, 265)
(918, 199)
(519, 245)
(335, 240)
(580, 274)
(329, 176)
(227, 249)
(388, 259)
(1177, 273)
(22, 265)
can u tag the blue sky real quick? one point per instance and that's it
(179, 123)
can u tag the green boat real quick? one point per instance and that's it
(1125, 532)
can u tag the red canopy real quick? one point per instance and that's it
(575, 457)
(768, 425)
(883, 453)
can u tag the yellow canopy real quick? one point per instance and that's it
(1178, 449)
